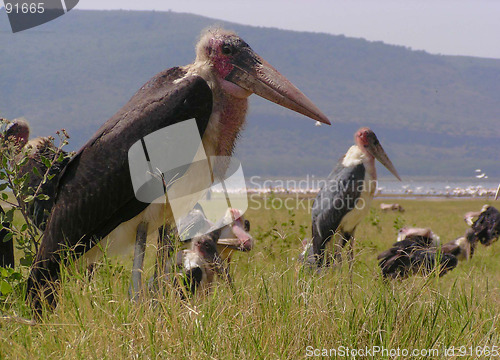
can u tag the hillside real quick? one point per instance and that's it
(435, 115)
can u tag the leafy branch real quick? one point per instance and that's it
(25, 170)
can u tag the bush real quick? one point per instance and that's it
(24, 173)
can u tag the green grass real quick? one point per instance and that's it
(277, 310)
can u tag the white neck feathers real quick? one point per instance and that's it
(353, 157)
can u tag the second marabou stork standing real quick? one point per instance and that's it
(95, 196)
(345, 198)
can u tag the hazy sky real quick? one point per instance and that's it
(451, 27)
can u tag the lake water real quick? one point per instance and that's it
(464, 187)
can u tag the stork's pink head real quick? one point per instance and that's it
(367, 141)
(364, 137)
(241, 72)
(17, 131)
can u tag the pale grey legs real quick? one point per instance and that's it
(137, 269)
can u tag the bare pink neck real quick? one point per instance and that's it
(231, 122)
(369, 163)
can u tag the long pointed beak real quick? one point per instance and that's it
(254, 74)
(498, 193)
(379, 153)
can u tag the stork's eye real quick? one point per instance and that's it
(228, 49)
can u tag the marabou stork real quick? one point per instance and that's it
(462, 247)
(195, 268)
(487, 226)
(415, 252)
(234, 234)
(346, 196)
(95, 196)
(18, 131)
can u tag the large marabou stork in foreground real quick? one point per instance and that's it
(345, 198)
(95, 196)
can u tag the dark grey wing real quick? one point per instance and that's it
(335, 199)
(424, 260)
(396, 262)
(95, 192)
(448, 263)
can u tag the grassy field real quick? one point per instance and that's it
(279, 311)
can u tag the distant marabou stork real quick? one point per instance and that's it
(95, 196)
(19, 131)
(487, 226)
(417, 251)
(345, 198)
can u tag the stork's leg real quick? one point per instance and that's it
(319, 244)
(227, 274)
(338, 245)
(349, 238)
(140, 249)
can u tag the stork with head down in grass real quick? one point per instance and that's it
(418, 250)
(231, 234)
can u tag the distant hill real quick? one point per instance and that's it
(435, 115)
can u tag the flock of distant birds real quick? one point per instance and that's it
(91, 200)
